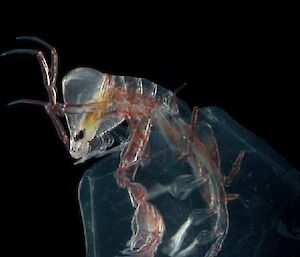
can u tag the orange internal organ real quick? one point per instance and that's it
(90, 120)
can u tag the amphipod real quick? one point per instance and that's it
(107, 113)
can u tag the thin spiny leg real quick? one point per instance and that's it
(53, 114)
(188, 152)
(54, 67)
(44, 68)
(235, 168)
(53, 108)
(195, 113)
(59, 127)
(54, 56)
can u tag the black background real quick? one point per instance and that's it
(245, 65)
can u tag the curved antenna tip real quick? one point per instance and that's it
(3, 54)
(19, 37)
(15, 102)
(19, 51)
(35, 39)
(25, 37)
(27, 101)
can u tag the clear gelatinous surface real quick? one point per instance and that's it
(160, 191)
(262, 221)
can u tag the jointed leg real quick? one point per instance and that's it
(235, 168)
(59, 127)
(187, 153)
(193, 123)
(53, 108)
(54, 57)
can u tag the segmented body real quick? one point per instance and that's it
(95, 104)
(142, 111)
(136, 102)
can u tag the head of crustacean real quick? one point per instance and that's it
(89, 114)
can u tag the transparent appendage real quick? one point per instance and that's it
(263, 221)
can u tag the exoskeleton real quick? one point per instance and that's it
(107, 113)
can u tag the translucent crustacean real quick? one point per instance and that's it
(95, 106)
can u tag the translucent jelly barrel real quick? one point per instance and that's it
(263, 221)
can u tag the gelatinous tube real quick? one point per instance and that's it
(188, 250)
(197, 217)
(181, 188)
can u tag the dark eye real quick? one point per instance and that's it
(79, 136)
